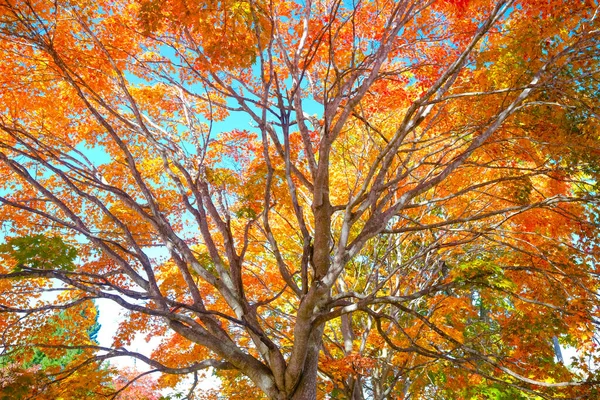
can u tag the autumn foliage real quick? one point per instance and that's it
(306, 200)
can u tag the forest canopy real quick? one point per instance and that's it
(321, 199)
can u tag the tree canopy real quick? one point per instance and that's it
(321, 199)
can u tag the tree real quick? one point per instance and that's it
(31, 372)
(361, 199)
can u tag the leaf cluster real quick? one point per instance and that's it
(40, 252)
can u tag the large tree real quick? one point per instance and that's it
(366, 199)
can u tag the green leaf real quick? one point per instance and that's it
(40, 252)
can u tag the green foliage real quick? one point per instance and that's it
(498, 391)
(40, 252)
(17, 378)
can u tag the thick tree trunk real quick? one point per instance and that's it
(307, 387)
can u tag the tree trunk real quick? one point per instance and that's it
(307, 387)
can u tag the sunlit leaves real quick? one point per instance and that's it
(224, 34)
(416, 179)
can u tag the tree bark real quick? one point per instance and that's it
(307, 386)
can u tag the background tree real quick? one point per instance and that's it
(64, 365)
(366, 199)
